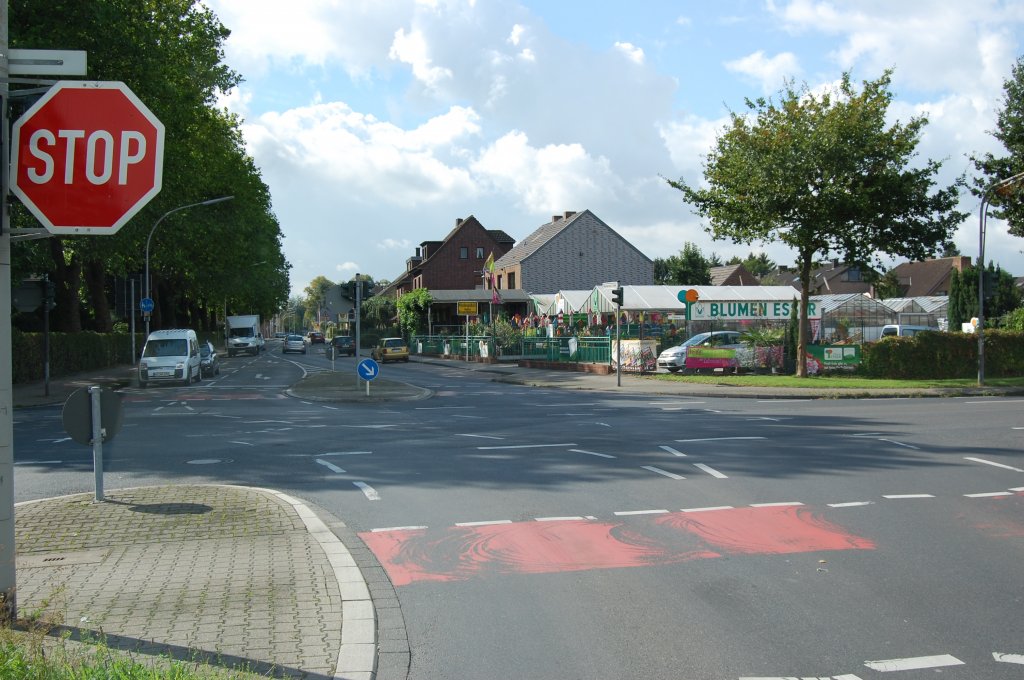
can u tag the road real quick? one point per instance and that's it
(535, 533)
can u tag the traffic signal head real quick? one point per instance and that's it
(617, 296)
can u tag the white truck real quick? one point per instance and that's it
(244, 335)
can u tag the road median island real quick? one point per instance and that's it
(347, 387)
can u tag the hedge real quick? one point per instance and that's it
(944, 355)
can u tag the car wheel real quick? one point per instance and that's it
(673, 369)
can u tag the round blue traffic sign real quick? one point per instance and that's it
(368, 369)
(146, 305)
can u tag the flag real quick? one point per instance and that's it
(489, 268)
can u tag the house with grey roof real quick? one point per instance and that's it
(732, 275)
(574, 251)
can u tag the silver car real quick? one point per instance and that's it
(294, 343)
(673, 359)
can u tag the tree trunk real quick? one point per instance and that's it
(67, 278)
(96, 286)
(806, 262)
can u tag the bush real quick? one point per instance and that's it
(944, 355)
(69, 353)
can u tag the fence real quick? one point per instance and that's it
(455, 345)
(584, 350)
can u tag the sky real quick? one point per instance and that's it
(377, 123)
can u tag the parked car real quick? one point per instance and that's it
(673, 359)
(891, 330)
(209, 364)
(344, 344)
(280, 335)
(391, 349)
(294, 343)
(315, 337)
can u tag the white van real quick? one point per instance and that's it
(170, 356)
(905, 331)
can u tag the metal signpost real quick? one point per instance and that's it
(92, 415)
(368, 369)
(467, 309)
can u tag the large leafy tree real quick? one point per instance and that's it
(757, 264)
(316, 299)
(1009, 131)
(824, 173)
(170, 54)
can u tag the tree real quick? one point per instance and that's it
(412, 311)
(887, 285)
(688, 268)
(757, 264)
(316, 298)
(1010, 132)
(824, 173)
(955, 313)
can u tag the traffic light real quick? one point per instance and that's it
(617, 296)
(351, 315)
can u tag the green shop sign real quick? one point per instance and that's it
(772, 310)
(835, 355)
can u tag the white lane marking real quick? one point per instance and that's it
(39, 462)
(853, 504)
(603, 424)
(243, 443)
(672, 451)
(1017, 428)
(484, 523)
(440, 408)
(458, 415)
(332, 408)
(710, 470)
(765, 418)
(775, 505)
(714, 439)
(712, 410)
(592, 453)
(994, 401)
(990, 494)
(560, 519)
(373, 427)
(346, 453)
(864, 434)
(220, 415)
(524, 446)
(481, 436)
(708, 509)
(893, 441)
(1008, 658)
(55, 441)
(657, 470)
(368, 491)
(408, 528)
(897, 496)
(330, 466)
(914, 663)
(993, 463)
(262, 422)
(189, 408)
(1017, 488)
(641, 512)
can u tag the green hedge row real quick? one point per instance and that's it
(69, 353)
(944, 355)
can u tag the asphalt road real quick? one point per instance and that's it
(536, 533)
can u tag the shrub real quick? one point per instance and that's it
(944, 355)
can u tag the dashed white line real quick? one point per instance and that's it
(666, 473)
(330, 466)
(1008, 658)
(38, 462)
(852, 504)
(524, 446)
(243, 443)
(714, 439)
(481, 436)
(346, 453)
(408, 528)
(592, 453)
(898, 496)
(1017, 488)
(672, 451)
(484, 523)
(708, 509)
(775, 505)
(710, 470)
(624, 513)
(893, 441)
(577, 518)
(990, 494)
(914, 663)
(368, 491)
(993, 463)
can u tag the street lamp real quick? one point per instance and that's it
(982, 219)
(145, 281)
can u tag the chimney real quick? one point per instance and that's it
(569, 213)
(458, 221)
(960, 262)
(783, 269)
(835, 262)
(417, 252)
(555, 218)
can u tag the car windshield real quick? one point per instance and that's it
(241, 332)
(170, 347)
(294, 338)
(204, 350)
(696, 340)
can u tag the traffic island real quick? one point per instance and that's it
(349, 388)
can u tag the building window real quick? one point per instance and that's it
(511, 280)
(479, 253)
(853, 274)
(499, 281)
(463, 253)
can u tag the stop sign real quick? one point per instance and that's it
(87, 157)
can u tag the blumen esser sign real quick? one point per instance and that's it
(772, 310)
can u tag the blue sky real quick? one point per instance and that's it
(377, 123)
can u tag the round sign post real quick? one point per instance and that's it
(368, 369)
(87, 157)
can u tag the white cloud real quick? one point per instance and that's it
(412, 48)
(347, 267)
(395, 244)
(770, 72)
(632, 52)
(516, 35)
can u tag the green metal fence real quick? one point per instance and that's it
(454, 345)
(583, 350)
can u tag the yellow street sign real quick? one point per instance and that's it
(467, 308)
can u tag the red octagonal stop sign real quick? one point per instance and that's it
(87, 157)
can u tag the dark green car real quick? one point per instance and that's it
(344, 344)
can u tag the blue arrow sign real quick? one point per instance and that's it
(368, 369)
(146, 305)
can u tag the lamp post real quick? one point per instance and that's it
(145, 280)
(982, 219)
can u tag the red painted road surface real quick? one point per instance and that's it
(461, 553)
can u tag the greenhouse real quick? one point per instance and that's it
(930, 310)
(850, 318)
